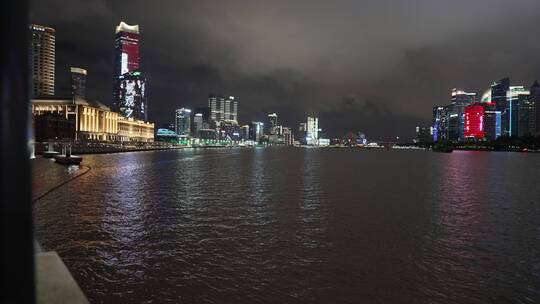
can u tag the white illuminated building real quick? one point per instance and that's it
(312, 132)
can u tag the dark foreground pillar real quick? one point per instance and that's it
(17, 268)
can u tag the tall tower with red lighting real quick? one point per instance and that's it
(130, 84)
(474, 122)
(126, 49)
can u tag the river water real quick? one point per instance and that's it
(292, 225)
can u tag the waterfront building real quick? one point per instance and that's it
(256, 131)
(244, 132)
(526, 115)
(42, 60)
(53, 126)
(459, 100)
(441, 117)
(134, 130)
(92, 121)
(130, 96)
(272, 123)
(474, 122)
(513, 96)
(78, 82)
(492, 121)
(197, 124)
(423, 135)
(166, 135)
(234, 112)
(208, 134)
(361, 138)
(204, 111)
(126, 49)
(223, 109)
(216, 104)
(129, 88)
(535, 98)
(312, 132)
(288, 137)
(230, 109)
(323, 142)
(229, 130)
(498, 96)
(182, 122)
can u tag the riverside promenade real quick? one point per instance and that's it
(54, 282)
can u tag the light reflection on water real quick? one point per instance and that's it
(295, 225)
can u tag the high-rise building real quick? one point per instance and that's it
(535, 97)
(498, 96)
(272, 123)
(78, 82)
(288, 137)
(244, 132)
(204, 111)
(256, 130)
(182, 122)
(474, 122)
(130, 85)
(492, 121)
(42, 59)
(126, 46)
(223, 109)
(198, 124)
(230, 109)
(312, 132)
(459, 100)
(513, 96)
(526, 115)
(130, 96)
(216, 104)
(234, 113)
(441, 123)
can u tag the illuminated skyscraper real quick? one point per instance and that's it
(459, 100)
(513, 96)
(535, 97)
(272, 123)
(198, 123)
(222, 109)
(126, 46)
(288, 137)
(492, 121)
(526, 115)
(216, 109)
(130, 96)
(312, 132)
(78, 83)
(498, 96)
(474, 122)
(244, 132)
(130, 85)
(441, 120)
(42, 59)
(256, 130)
(182, 121)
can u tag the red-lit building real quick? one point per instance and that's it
(474, 122)
(126, 44)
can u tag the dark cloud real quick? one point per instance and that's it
(376, 66)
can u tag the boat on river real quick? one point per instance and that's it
(66, 158)
(50, 153)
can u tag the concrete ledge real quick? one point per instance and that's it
(54, 283)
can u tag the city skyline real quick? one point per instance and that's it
(359, 85)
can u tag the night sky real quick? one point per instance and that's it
(373, 66)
